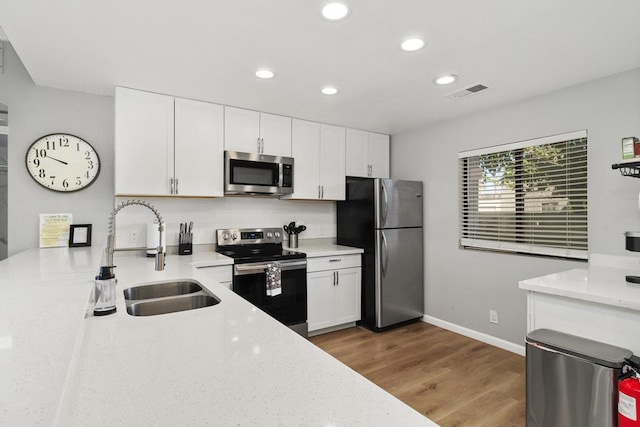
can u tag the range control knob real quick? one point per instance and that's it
(277, 234)
(234, 236)
(269, 234)
(225, 236)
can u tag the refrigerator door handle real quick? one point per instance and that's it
(385, 203)
(385, 254)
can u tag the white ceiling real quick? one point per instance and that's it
(209, 50)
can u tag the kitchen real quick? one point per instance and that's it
(604, 101)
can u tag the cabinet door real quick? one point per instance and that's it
(347, 296)
(241, 130)
(320, 289)
(332, 162)
(275, 133)
(143, 143)
(357, 163)
(199, 148)
(379, 155)
(305, 148)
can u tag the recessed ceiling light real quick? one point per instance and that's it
(447, 79)
(412, 44)
(264, 73)
(329, 90)
(335, 11)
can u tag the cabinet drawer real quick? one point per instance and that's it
(222, 273)
(333, 262)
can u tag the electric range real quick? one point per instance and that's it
(254, 250)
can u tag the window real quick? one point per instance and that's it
(528, 197)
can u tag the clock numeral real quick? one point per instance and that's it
(87, 155)
(36, 162)
(79, 181)
(87, 174)
(41, 173)
(64, 142)
(77, 146)
(90, 164)
(51, 145)
(53, 178)
(40, 152)
(65, 184)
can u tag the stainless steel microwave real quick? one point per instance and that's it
(260, 174)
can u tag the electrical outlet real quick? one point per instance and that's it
(133, 235)
(493, 316)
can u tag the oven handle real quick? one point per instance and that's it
(246, 269)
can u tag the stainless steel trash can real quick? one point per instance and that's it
(572, 381)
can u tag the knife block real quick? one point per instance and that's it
(185, 248)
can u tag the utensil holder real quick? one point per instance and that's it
(185, 248)
(293, 240)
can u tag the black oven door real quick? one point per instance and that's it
(290, 307)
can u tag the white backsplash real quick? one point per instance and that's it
(208, 215)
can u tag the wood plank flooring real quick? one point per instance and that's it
(452, 379)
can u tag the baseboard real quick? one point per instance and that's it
(485, 338)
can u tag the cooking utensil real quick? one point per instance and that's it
(286, 229)
(300, 229)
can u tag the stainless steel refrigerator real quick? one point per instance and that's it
(384, 217)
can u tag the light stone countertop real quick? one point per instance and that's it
(225, 365)
(602, 281)
(323, 247)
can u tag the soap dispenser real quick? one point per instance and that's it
(105, 292)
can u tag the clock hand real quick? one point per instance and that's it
(53, 158)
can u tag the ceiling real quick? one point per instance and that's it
(209, 50)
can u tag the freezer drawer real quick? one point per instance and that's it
(399, 276)
(571, 381)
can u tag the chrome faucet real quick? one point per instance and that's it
(112, 232)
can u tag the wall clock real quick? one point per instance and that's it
(62, 162)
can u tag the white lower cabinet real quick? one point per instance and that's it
(223, 274)
(333, 291)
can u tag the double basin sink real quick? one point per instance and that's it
(167, 297)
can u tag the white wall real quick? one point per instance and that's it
(462, 285)
(37, 111)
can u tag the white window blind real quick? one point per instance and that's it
(529, 196)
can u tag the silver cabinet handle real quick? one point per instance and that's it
(171, 185)
(322, 191)
(335, 260)
(176, 186)
(258, 142)
(337, 278)
(319, 194)
(262, 145)
(385, 254)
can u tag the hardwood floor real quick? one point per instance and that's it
(452, 379)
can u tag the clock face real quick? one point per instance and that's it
(62, 162)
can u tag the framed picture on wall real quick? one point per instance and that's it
(79, 235)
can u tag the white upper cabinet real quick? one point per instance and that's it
(250, 131)
(305, 148)
(319, 167)
(332, 162)
(143, 143)
(367, 154)
(199, 148)
(167, 146)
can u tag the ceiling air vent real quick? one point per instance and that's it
(468, 91)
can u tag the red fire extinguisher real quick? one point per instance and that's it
(629, 400)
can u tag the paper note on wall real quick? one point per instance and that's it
(54, 230)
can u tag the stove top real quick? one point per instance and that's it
(246, 245)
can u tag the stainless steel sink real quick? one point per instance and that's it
(160, 290)
(167, 297)
(170, 305)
